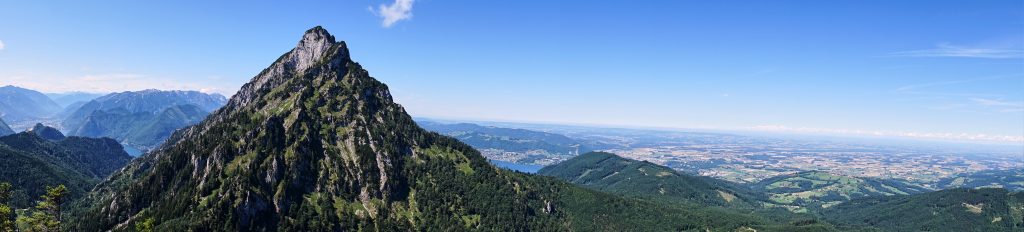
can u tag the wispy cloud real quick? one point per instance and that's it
(1, 45)
(917, 135)
(995, 102)
(999, 105)
(395, 12)
(947, 50)
(959, 100)
(110, 82)
(914, 87)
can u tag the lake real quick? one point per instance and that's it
(527, 168)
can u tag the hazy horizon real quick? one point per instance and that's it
(943, 71)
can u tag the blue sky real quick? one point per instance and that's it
(933, 69)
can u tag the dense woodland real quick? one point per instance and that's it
(30, 163)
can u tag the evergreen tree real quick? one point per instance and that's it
(145, 225)
(6, 212)
(47, 216)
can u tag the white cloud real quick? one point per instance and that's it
(397, 11)
(947, 50)
(916, 135)
(1, 45)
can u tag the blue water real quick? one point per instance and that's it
(527, 168)
(132, 151)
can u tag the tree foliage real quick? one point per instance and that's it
(47, 215)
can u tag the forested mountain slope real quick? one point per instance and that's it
(30, 163)
(610, 173)
(946, 210)
(314, 143)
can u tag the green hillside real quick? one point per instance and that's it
(946, 210)
(1012, 180)
(30, 163)
(822, 189)
(610, 173)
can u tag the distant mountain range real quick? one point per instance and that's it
(139, 119)
(68, 99)
(142, 119)
(19, 105)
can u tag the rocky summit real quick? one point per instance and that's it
(313, 143)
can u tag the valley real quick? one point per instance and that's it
(753, 158)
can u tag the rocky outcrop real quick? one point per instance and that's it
(46, 132)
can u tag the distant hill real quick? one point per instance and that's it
(610, 173)
(533, 147)
(142, 119)
(507, 139)
(30, 163)
(142, 130)
(1012, 180)
(823, 189)
(945, 210)
(70, 109)
(69, 98)
(46, 132)
(4, 128)
(18, 105)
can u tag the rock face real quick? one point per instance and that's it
(313, 143)
(46, 132)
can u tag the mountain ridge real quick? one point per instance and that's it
(608, 172)
(31, 162)
(140, 119)
(18, 105)
(279, 148)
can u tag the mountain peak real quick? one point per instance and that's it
(314, 123)
(315, 44)
(316, 47)
(46, 132)
(317, 32)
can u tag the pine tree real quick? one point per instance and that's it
(47, 216)
(6, 213)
